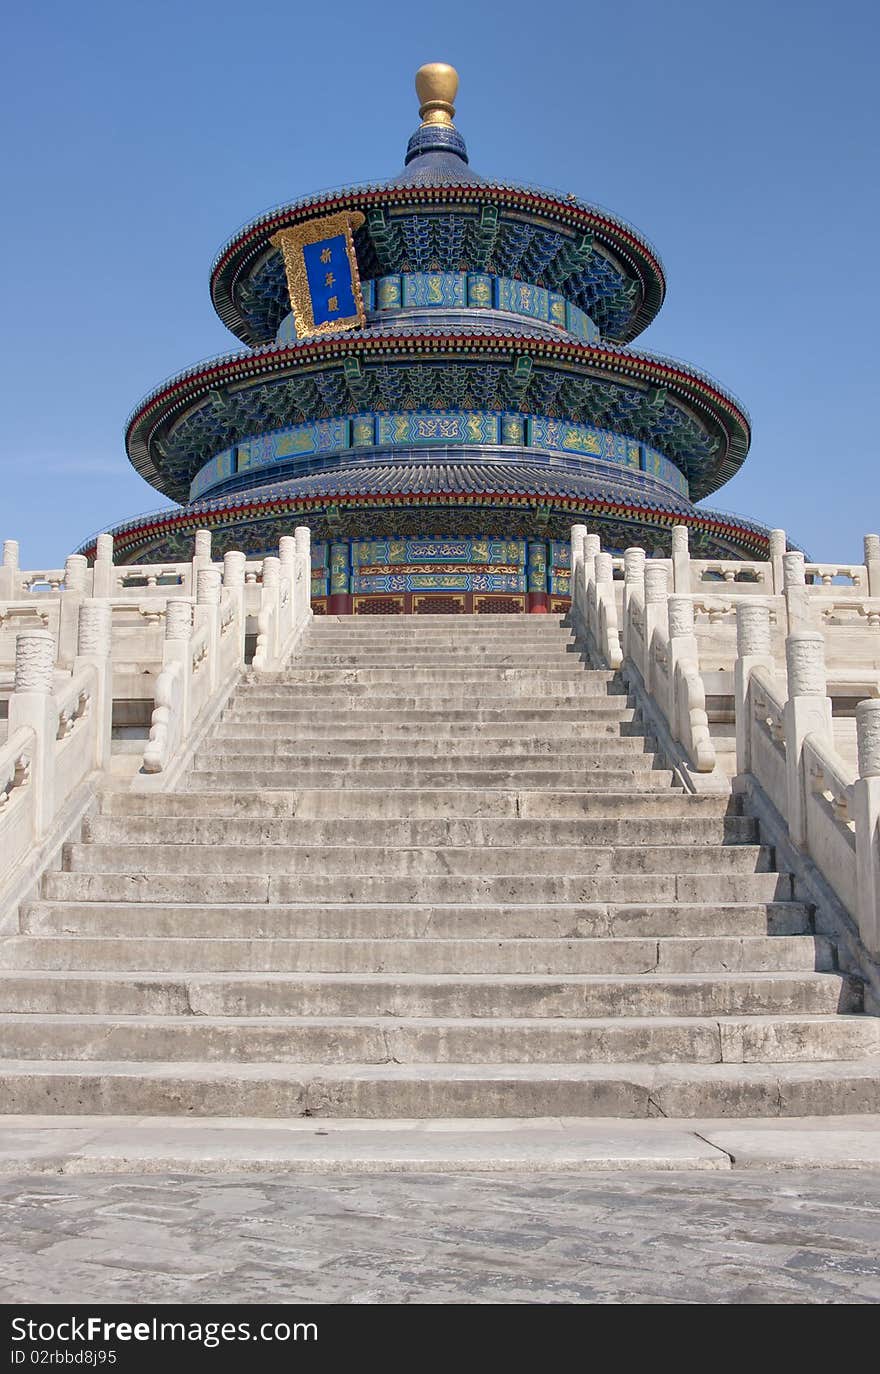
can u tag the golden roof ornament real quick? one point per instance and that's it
(437, 87)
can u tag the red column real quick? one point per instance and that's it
(339, 601)
(537, 601)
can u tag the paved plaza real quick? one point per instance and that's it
(681, 1237)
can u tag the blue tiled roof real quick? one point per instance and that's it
(442, 478)
(436, 156)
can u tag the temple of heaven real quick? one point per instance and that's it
(438, 376)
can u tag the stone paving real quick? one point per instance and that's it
(688, 1237)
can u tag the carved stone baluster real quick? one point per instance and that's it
(807, 711)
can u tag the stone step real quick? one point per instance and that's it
(481, 627)
(136, 1146)
(236, 749)
(440, 661)
(412, 921)
(416, 804)
(515, 622)
(386, 765)
(469, 1040)
(162, 829)
(663, 888)
(476, 655)
(479, 656)
(332, 704)
(573, 720)
(439, 694)
(602, 955)
(313, 700)
(355, 725)
(572, 861)
(501, 678)
(396, 1091)
(433, 995)
(555, 646)
(518, 623)
(405, 631)
(498, 643)
(383, 627)
(505, 775)
(480, 898)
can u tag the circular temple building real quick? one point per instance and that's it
(438, 377)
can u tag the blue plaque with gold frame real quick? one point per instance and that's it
(322, 274)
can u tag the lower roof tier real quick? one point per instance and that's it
(668, 406)
(384, 499)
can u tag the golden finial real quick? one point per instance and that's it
(437, 87)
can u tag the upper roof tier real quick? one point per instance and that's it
(439, 215)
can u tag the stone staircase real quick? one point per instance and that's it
(431, 870)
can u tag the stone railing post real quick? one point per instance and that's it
(872, 563)
(603, 568)
(797, 606)
(172, 708)
(76, 573)
(633, 577)
(753, 650)
(680, 613)
(778, 544)
(103, 572)
(866, 814)
(656, 595)
(303, 539)
(287, 580)
(592, 547)
(178, 633)
(578, 539)
(208, 589)
(681, 560)
(94, 646)
(682, 646)
(178, 620)
(271, 603)
(688, 723)
(9, 571)
(32, 705)
(607, 628)
(233, 569)
(287, 555)
(201, 557)
(233, 581)
(94, 629)
(76, 577)
(807, 712)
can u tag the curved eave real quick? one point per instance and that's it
(632, 248)
(750, 538)
(179, 393)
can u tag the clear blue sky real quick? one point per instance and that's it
(740, 137)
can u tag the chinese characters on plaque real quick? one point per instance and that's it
(322, 273)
